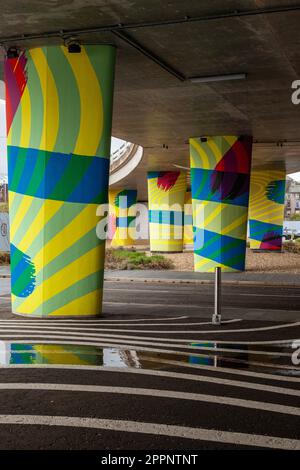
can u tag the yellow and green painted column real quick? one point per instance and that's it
(220, 177)
(122, 216)
(59, 114)
(166, 196)
(266, 208)
(188, 237)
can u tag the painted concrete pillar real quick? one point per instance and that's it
(59, 113)
(266, 209)
(188, 236)
(220, 174)
(166, 195)
(122, 216)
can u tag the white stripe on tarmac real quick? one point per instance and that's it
(152, 392)
(185, 432)
(132, 370)
(128, 347)
(139, 340)
(202, 332)
(34, 323)
(177, 375)
(225, 370)
(86, 321)
(188, 340)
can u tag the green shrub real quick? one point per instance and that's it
(131, 259)
(3, 207)
(4, 258)
(291, 247)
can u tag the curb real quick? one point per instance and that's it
(202, 281)
(192, 281)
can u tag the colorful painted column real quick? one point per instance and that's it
(220, 175)
(122, 216)
(166, 196)
(59, 114)
(266, 209)
(188, 236)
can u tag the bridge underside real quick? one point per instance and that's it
(155, 104)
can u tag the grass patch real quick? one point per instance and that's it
(125, 259)
(3, 207)
(4, 258)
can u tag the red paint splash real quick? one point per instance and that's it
(15, 80)
(167, 179)
(271, 241)
(238, 158)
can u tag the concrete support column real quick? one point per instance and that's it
(266, 209)
(220, 174)
(59, 113)
(166, 196)
(122, 216)
(188, 237)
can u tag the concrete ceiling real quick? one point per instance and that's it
(154, 108)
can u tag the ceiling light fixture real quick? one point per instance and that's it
(218, 78)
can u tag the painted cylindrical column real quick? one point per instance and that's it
(166, 196)
(266, 209)
(188, 237)
(59, 114)
(122, 216)
(220, 175)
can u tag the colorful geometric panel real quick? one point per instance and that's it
(122, 216)
(220, 178)
(59, 113)
(188, 236)
(266, 209)
(166, 196)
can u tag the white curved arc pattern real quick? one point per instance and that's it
(151, 392)
(135, 340)
(25, 323)
(221, 370)
(184, 432)
(202, 332)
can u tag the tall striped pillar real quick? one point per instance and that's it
(122, 216)
(266, 209)
(166, 196)
(188, 237)
(220, 174)
(59, 113)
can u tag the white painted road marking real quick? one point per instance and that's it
(185, 432)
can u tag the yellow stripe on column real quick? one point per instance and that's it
(78, 306)
(91, 119)
(76, 229)
(50, 98)
(26, 119)
(79, 269)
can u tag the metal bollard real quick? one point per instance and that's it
(216, 318)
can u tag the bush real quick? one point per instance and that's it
(292, 247)
(131, 259)
(3, 207)
(4, 258)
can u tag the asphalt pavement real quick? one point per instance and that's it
(153, 373)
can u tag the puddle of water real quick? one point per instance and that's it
(12, 353)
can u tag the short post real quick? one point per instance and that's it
(216, 318)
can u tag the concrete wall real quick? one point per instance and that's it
(4, 232)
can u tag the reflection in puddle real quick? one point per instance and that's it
(252, 357)
(18, 353)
